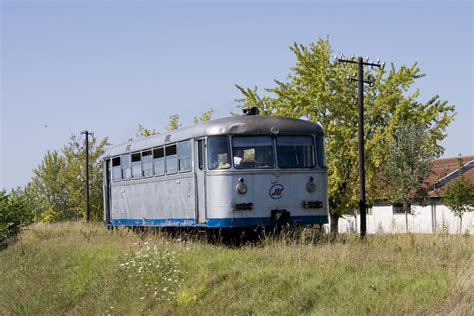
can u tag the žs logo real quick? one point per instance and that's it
(276, 191)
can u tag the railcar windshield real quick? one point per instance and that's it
(218, 152)
(253, 152)
(295, 152)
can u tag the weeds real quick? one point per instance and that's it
(74, 268)
(154, 272)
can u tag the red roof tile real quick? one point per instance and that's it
(442, 167)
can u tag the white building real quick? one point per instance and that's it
(385, 217)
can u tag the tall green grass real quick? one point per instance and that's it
(76, 268)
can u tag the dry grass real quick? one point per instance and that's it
(74, 268)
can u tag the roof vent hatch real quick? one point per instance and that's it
(251, 111)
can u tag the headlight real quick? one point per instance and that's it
(241, 188)
(311, 187)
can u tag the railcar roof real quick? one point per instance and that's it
(234, 125)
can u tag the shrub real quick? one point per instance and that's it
(14, 213)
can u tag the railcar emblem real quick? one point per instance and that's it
(276, 191)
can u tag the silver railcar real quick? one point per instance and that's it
(241, 171)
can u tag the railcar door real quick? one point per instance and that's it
(107, 191)
(200, 180)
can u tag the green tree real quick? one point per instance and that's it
(459, 195)
(15, 212)
(317, 90)
(173, 123)
(75, 176)
(410, 164)
(47, 186)
(58, 184)
(206, 116)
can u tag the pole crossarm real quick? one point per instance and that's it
(369, 82)
(371, 64)
(352, 60)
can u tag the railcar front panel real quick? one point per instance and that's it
(266, 194)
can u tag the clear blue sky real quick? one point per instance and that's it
(108, 66)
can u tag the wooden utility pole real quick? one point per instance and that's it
(88, 209)
(360, 101)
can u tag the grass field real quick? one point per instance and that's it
(73, 268)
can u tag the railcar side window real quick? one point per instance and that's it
(184, 156)
(253, 152)
(320, 151)
(136, 165)
(159, 161)
(295, 152)
(218, 152)
(147, 161)
(125, 160)
(116, 171)
(171, 159)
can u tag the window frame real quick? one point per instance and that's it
(398, 206)
(166, 161)
(131, 165)
(163, 159)
(200, 153)
(152, 165)
(129, 159)
(206, 149)
(112, 168)
(190, 157)
(319, 142)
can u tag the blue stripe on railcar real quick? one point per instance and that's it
(219, 222)
(155, 222)
(264, 221)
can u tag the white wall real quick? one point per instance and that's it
(426, 219)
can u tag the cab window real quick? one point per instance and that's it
(295, 152)
(320, 151)
(254, 152)
(218, 152)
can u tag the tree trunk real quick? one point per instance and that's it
(334, 228)
(406, 219)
